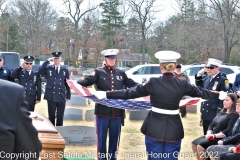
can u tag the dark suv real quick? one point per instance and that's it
(11, 59)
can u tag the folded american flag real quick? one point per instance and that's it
(132, 104)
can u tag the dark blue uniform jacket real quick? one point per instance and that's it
(57, 89)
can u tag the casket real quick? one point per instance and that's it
(52, 142)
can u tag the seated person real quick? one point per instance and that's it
(232, 154)
(231, 141)
(220, 127)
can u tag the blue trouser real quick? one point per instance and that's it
(105, 125)
(162, 150)
(52, 108)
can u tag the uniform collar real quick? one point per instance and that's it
(215, 75)
(109, 68)
(168, 75)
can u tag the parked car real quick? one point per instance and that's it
(11, 59)
(143, 73)
(124, 68)
(228, 69)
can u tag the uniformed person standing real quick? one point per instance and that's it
(162, 127)
(179, 74)
(4, 71)
(30, 80)
(57, 90)
(216, 81)
(108, 120)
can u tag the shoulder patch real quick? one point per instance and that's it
(226, 84)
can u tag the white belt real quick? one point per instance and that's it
(165, 111)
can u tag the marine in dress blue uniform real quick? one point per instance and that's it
(57, 90)
(162, 127)
(4, 71)
(108, 120)
(30, 80)
(215, 81)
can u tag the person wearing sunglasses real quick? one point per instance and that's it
(214, 80)
(4, 71)
(30, 80)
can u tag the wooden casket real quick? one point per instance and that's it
(52, 142)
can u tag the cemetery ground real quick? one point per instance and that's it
(132, 145)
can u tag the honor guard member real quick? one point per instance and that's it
(108, 119)
(216, 81)
(179, 74)
(57, 90)
(4, 71)
(162, 127)
(30, 80)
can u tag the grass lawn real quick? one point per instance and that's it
(132, 145)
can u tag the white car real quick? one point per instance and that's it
(229, 70)
(143, 73)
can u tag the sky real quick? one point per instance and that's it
(168, 7)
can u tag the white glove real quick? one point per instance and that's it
(201, 72)
(100, 94)
(222, 95)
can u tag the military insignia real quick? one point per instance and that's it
(117, 77)
(56, 53)
(64, 73)
(34, 79)
(121, 77)
(4, 71)
(29, 57)
(226, 84)
(215, 85)
(50, 72)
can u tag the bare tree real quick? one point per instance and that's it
(144, 9)
(228, 18)
(2, 7)
(75, 12)
(36, 19)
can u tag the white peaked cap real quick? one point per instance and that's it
(167, 56)
(111, 53)
(213, 62)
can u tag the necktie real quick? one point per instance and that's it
(57, 70)
(28, 73)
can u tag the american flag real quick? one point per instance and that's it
(142, 103)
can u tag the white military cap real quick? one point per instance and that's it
(213, 62)
(167, 56)
(110, 53)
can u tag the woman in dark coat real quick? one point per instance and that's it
(227, 142)
(162, 127)
(220, 127)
